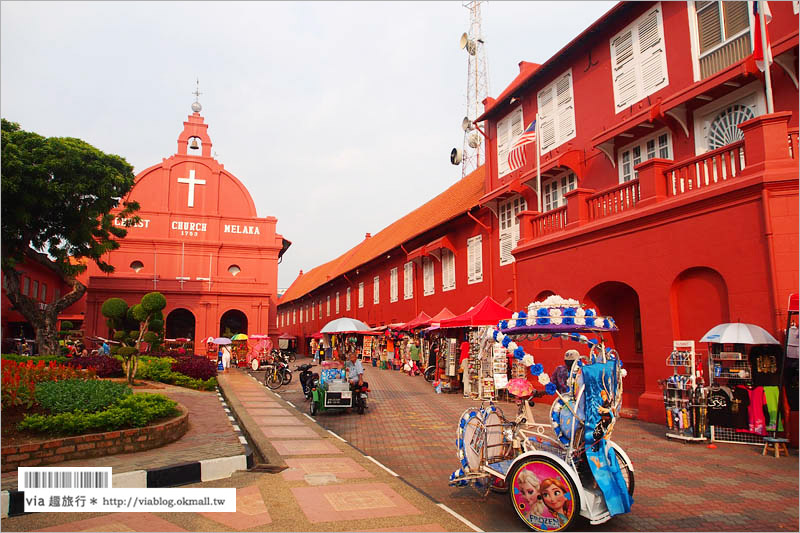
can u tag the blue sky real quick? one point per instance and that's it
(339, 117)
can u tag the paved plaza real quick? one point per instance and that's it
(679, 486)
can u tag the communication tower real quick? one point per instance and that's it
(471, 156)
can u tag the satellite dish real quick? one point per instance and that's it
(474, 140)
(466, 124)
(466, 42)
(456, 156)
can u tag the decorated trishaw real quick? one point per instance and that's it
(258, 354)
(568, 466)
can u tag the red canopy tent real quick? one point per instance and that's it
(287, 336)
(444, 314)
(417, 321)
(486, 313)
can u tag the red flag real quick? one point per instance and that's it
(758, 51)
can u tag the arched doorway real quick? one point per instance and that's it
(180, 324)
(621, 301)
(232, 322)
(699, 301)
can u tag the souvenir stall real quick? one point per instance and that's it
(412, 328)
(743, 373)
(432, 345)
(684, 395)
(239, 349)
(789, 370)
(336, 332)
(486, 373)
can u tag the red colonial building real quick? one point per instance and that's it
(669, 194)
(200, 242)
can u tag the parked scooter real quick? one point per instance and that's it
(306, 378)
(360, 397)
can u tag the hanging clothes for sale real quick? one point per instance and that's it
(771, 394)
(740, 403)
(793, 344)
(757, 410)
(719, 407)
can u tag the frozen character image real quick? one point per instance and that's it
(557, 499)
(606, 418)
(528, 486)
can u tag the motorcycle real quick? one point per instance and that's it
(277, 372)
(307, 378)
(360, 397)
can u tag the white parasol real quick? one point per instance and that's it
(738, 333)
(344, 325)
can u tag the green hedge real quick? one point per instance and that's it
(79, 395)
(135, 410)
(160, 369)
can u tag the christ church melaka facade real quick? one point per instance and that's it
(669, 195)
(200, 243)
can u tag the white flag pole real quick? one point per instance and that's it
(538, 164)
(767, 77)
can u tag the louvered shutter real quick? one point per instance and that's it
(708, 27)
(470, 261)
(624, 70)
(503, 127)
(347, 300)
(566, 108)
(474, 260)
(427, 272)
(506, 245)
(408, 281)
(393, 285)
(360, 296)
(652, 54)
(547, 118)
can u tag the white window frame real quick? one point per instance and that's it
(319, 307)
(361, 294)
(43, 292)
(509, 225)
(475, 259)
(294, 316)
(408, 280)
(347, 300)
(751, 95)
(560, 185)
(509, 128)
(328, 305)
(640, 61)
(556, 113)
(645, 153)
(312, 310)
(428, 283)
(393, 285)
(376, 290)
(694, 36)
(337, 302)
(448, 270)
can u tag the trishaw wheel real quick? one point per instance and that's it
(254, 365)
(313, 407)
(543, 495)
(627, 473)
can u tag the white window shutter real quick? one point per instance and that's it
(652, 54)
(347, 300)
(624, 70)
(506, 245)
(502, 147)
(566, 108)
(477, 268)
(547, 118)
(393, 285)
(427, 273)
(470, 261)
(408, 281)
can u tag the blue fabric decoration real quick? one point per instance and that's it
(574, 337)
(536, 369)
(519, 353)
(590, 321)
(542, 312)
(569, 311)
(606, 324)
(602, 460)
(504, 324)
(569, 321)
(494, 334)
(521, 316)
(543, 321)
(550, 388)
(589, 312)
(506, 342)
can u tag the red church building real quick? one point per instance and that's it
(668, 195)
(200, 242)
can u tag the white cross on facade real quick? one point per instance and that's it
(191, 182)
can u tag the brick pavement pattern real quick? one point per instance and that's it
(679, 486)
(210, 435)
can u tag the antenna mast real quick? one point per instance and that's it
(477, 87)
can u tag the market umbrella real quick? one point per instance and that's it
(344, 325)
(221, 341)
(738, 333)
(519, 387)
(239, 337)
(445, 313)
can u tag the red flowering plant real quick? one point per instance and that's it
(19, 379)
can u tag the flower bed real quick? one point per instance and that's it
(95, 444)
(19, 379)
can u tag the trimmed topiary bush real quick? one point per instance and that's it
(153, 302)
(66, 325)
(88, 396)
(196, 367)
(114, 308)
